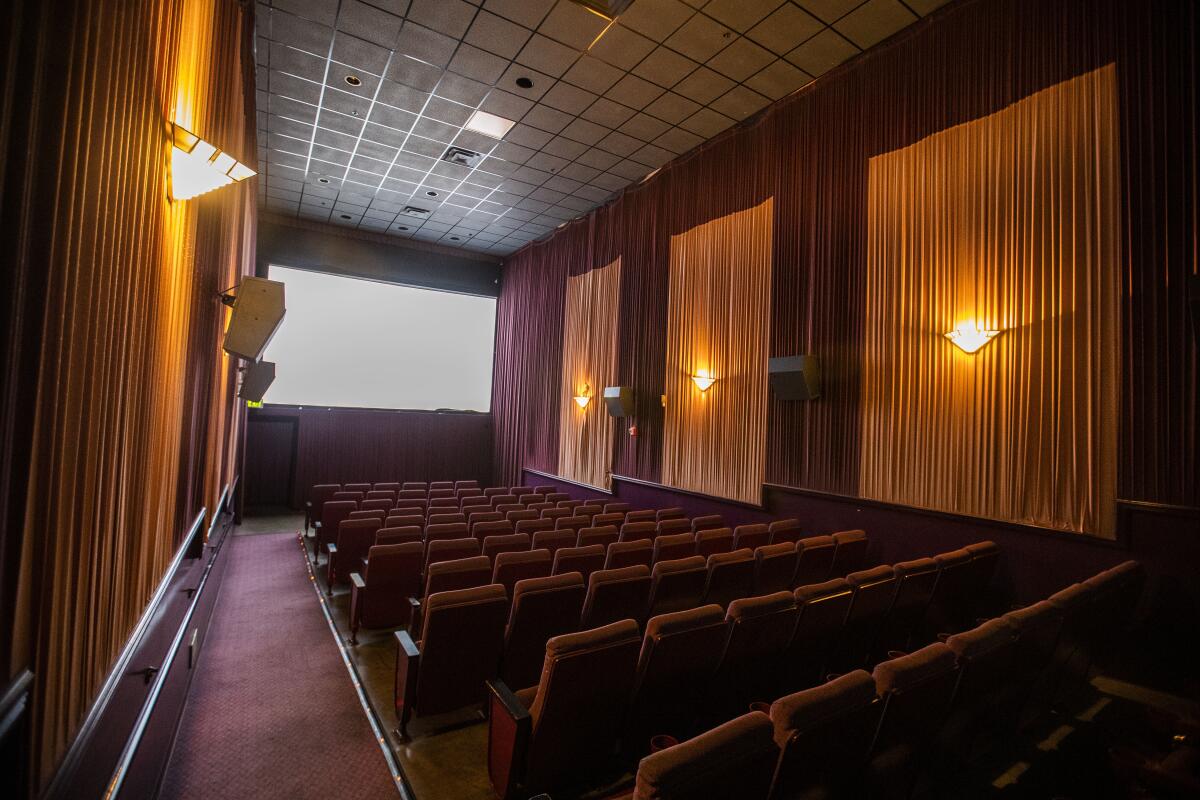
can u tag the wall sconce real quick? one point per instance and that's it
(583, 398)
(969, 338)
(703, 380)
(198, 167)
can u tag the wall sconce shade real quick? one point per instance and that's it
(703, 381)
(583, 398)
(969, 338)
(198, 167)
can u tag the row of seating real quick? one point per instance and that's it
(604, 691)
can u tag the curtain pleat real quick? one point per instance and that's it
(714, 441)
(585, 435)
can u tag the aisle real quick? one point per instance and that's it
(272, 711)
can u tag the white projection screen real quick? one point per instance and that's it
(357, 343)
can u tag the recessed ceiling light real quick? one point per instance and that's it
(346, 216)
(402, 227)
(454, 238)
(353, 80)
(524, 83)
(432, 194)
(322, 180)
(489, 124)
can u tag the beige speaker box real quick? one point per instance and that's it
(256, 379)
(257, 312)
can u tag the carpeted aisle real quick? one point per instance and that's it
(271, 712)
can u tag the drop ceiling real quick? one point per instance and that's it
(358, 102)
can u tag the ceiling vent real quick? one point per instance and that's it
(607, 8)
(413, 211)
(462, 156)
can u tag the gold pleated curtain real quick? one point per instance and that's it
(585, 435)
(719, 311)
(1010, 222)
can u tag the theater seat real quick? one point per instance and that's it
(460, 484)
(821, 611)
(532, 526)
(435, 494)
(730, 577)
(417, 486)
(362, 488)
(354, 538)
(382, 494)
(984, 657)
(501, 500)
(514, 566)
(555, 513)
(674, 512)
(625, 554)
(445, 504)
(679, 545)
(615, 519)
(643, 515)
(616, 594)
(495, 491)
(602, 535)
(450, 531)
(505, 508)
(388, 486)
(584, 560)
(332, 514)
(669, 527)
(538, 506)
(476, 517)
(679, 657)
(436, 518)
(379, 595)
(570, 505)
(873, 593)
(751, 536)
(785, 530)
(639, 531)
(574, 524)
(588, 510)
(370, 513)
(399, 535)
(501, 527)
(553, 540)
(616, 508)
(449, 549)
(458, 573)
(346, 494)
(947, 610)
(707, 522)
(850, 552)
(562, 729)
(914, 587)
(760, 629)
(714, 540)
(556, 497)
(1037, 628)
(405, 521)
(676, 585)
(542, 608)
(318, 495)
(774, 565)
(506, 543)
(520, 491)
(462, 637)
(733, 760)
(824, 735)
(814, 561)
(517, 516)
(441, 485)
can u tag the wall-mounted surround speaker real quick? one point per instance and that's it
(795, 377)
(256, 379)
(619, 400)
(257, 311)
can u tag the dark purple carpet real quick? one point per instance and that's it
(271, 712)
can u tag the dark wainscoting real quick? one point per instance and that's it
(1036, 563)
(125, 741)
(345, 445)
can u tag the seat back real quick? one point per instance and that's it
(774, 566)
(499, 500)
(487, 530)
(392, 575)
(616, 519)
(415, 493)
(581, 698)
(730, 577)
(449, 549)
(553, 540)
(319, 493)
(517, 565)
(411, 503)
(494, 491)
(332, 514)
(532, 526)
(674, 512)
(603, 535)
(407, 486)
(850, 551)
(824, 734)
(457, 573)
(714, 540)
(679, 657)
(505, 508)
(370, 513)
(382, 494)
(470, 491)
(676, 585)
(814, 561)
(707, 522)
(345, 494)
(760, 629)
(520, 491)
(569, 504)
(542, 608)
(625, 554)
(505, 543)
(435, 494)
(475, 501)
(980, 571)
(574, 524)
(556, 497)
(672, 546)
(555, 513)
(873, 592)
(462, 637)
(357, 487)
(523, 514)
(447, 504)
(451, 530)
(638, 531)
(985, 659)
(466, 484)
(584, 560)
(949, 607)
(441, 485)
(355, 537)
(616, 508)
(914, 587)
(387, 486)
(916, 690)
(400, 535)
(616, 594)
(735, 759)
(669, 527)
(588, 510)
(397, 520)
(437, 518)
(821, 612)
(751, 536)
(644, 515)
(538, 506)
(785, 530)
(477, 517)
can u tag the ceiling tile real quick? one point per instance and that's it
(546, 162)
(672, 108)
(822, 53)
(778, 79)
(528, 137)
(874, 21)
(477, 64)
(301, 33)
(360, 54)
(579, 172)
(296, 62)
(656, 19)
(740, 102)
(677, 140)
(414, 73)
(572, 25)
(546, 119)
(652, 155)
(323, 11)
(506, 105)
(622, 47)
(608, 113)
(741, 15)
(547, 55)
(784, 30)
(568, 98)
(610, 181)
(644, 127)
(446, 111)
(619, 144)
(400, 96)
(924, 7)
(369, 23)
(664, 67)
(700, 38)
(741, 59)
(703, 86)
(581, 130)
(508, 82)
(592, 74)
(706, 123)
(497, 35)
(630, 169)
(565, 148)
(634, 92)
(450, 17)
(462, 90)
(525, 12)
(417, 41)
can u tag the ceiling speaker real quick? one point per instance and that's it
(619, 400)
(256, 379)
(257, 311)
(795, 377)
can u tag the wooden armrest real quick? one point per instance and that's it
(357, 581)
(408, 665)
(509, 727)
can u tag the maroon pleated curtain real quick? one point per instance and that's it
(811, 153)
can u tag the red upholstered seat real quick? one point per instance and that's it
(774, 566)
(668, 527)
(951, 594)
(475, 517)
(441, 494)
(505, 508)
(707, 522)
(571, 505)
(449, 549)
(457, 573)
(501, 527)
(354, 538)
(824, 735)
(814, 560)
(544, 490)
(383, 505)
(357, 487)
(415, 493)
(625, 554)
(560, 731)
(603, 534)
(733, 760)
(616, 508)
(914, 587)
(475, 502)
(674, 512)
(318, 495)
(538, 506)
(400, 535)
(985, 662)
(411, 502)
(1037, 628)
(873, 592)
(499, 500)
(572, 523)
(346, 494)
(532, 526)
(505, 543)
(520, 491)
(850, 552)
(441, 485)
(370, 513)
(616, 519)
(553, 540)
(440, 505)
(382, 494)
(679, 657)
(556, 497)
(379, 594)
(469, 491)
(751, 536)
(414, 486)
(785, 530)
(451, 530)
(676, 585)
(639, 531)
(494, 491)
(542, 608)
(437, 518)
(616, 594)
(730, 577)
(588, 510)
(518, 515)
(821, 610)
(714, 540)
(398, 520)
(466, 484)
(584, 560)
(462, 636)
(645, 515)
(678, 545)
(387, 486)
(513, 566)
(760, 629)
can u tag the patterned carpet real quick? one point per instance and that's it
(271, 712)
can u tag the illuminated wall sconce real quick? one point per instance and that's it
(969, 338)
(703, 380)
(583, 398)
(198, 167)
